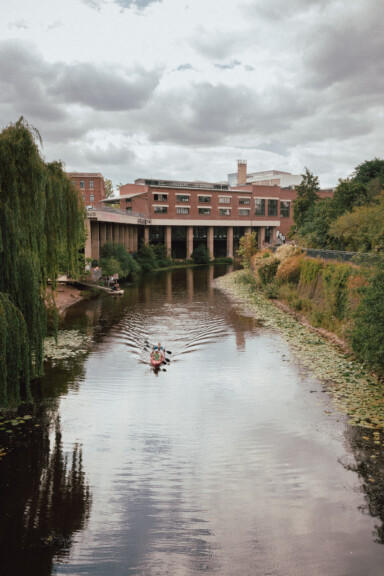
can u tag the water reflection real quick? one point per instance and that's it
(225, 463)
(44, 501)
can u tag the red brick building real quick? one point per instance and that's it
(90, 186)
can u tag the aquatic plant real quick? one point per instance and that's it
(40, 219)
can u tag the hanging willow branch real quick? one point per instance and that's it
(40, 219)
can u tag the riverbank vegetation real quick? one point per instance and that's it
(41, 232)
(352, 219)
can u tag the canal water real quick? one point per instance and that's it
(227, 461)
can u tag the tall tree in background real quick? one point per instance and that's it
(40, 218)
(307, 195)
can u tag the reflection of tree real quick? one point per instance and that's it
(369, 466)
(43, 502)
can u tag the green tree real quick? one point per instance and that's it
(200, 255)
(108, 188)
(369, 170)
(39, 216)
(307, 195)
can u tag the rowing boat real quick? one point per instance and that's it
(156, 363)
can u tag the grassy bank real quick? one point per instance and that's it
(354, 390)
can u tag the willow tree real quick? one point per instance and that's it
(39, 218)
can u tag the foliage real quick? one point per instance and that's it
(271, 290)
(146, 257)
(223, 260)
(39, 216)
(310, 270)
(370, 170)
(247, 248)
(200, 255)
(306, 196)
(289, 270)
(363, 228)
(115, 259)
(108, 188)
(267, 269)
(315, 231)
(335, 285)
(286, 251)
(367, 335)
(161, 255)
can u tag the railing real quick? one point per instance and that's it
(100, 208)
(367, 258)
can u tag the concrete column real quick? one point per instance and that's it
(168, 240)
(210, 242)
(126, 236)
(189, 241)
(230, 241)
(103, 233)
(121, 234)
(274, 237)
(261, 237)
(88, 250)
(135, 239)
(146, 235)
(247, 230)
(95, 244)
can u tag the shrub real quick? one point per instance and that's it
(146, 257)
(161, 255)
(271, 290)
(247, 248)
(112, 253)
(289, 270)
(335, 277)
(367, 335)
(310, 269)
(200, 255)
(287, 251)
(267, 269)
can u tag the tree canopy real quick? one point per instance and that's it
(40, 219)
(307, 195)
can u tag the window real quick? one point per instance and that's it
(205, 199)
(284, 209)
(204, 210)
(128, 209)
(91, 197)
(128, 200)
(91, 184)
(83, 195)
(182, 210)
(160, 209)
(160, 197)
(272, 207)
(182, 198)
(82, 184)
(224, 211)
(259, 207)
(244, 211)
(244, 201)
(224, 199)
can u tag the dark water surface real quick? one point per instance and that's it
(226, 463)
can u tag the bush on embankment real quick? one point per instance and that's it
(341, 298)
(115, 259)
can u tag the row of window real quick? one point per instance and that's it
(82, 184)
(91, 197)
(201, 199)
(259, 210)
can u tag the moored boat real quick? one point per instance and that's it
(116, 292)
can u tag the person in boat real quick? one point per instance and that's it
(116, 287)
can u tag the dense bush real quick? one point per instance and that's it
(289, 270)
(200, 255)
(115, 259)
(367, 335)
(267, 269)
(146, 258)
(247, 248)
(161, 255)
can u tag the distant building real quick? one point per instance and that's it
(264, 178)
(90, 186)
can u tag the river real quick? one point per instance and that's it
(227, 461)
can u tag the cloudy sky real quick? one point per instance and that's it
(184, 88)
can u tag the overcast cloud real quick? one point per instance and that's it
(167, 88)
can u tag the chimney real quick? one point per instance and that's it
(241, 172)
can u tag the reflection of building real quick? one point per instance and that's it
(182, 215)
